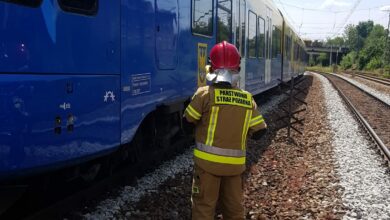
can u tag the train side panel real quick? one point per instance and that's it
(161, 59)
(78, 84)
(264, 47)
(288, 53)
(59, 86)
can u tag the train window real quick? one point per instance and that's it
(295, 51)
(261, 38)
(252, 35)
(202, 17)
(236, 25)
(276, 42)
(268, 35)
(240, 26)
(299, 53)
(288, 47)
(243, 31)
(224, 20)
(86, 7)
(30, 3)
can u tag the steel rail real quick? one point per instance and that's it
(74, 201)
(371, 95)
(374, 79)
(382, 147)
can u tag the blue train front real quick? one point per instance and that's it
(79, 79)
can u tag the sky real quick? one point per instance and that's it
(319, 19)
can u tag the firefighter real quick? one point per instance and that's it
(223, 115)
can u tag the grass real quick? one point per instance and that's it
(378, 72)
(326, 69)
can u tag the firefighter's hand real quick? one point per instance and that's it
(208, 69)
(259, 134)
(188, 127)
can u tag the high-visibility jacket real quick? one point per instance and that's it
(223, 117)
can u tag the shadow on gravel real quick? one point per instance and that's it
(255, 149)
(171, 200)
(275, 134)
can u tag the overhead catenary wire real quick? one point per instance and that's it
(285, 11)
(327, 10)
(343, 16)
(347, 17)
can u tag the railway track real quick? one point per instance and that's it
(58, 201)
(70, 204)
(370, 111)
(371, 78)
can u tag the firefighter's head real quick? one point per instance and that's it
(225, 63)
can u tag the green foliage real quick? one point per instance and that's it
(364, 28)
(356, 35)
(223, 32)
(312, 62)
(323, 59)
(373, 49)
(367, 43)
(374, 63)
(352, 38)
(386, 53)
(326, 69)
(348, 60)
(317, 43)
(335, 42)
(387, 71)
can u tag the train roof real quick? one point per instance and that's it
(287, 22)
(271, 4)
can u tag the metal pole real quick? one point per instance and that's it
(386, 54)
(290, 106)
(330, 57)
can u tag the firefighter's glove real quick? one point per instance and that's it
(259, 134)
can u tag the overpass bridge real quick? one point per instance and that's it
(334, 53)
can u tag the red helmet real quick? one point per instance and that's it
(225, 56)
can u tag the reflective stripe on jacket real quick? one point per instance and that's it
(223, 117)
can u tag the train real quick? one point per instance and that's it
(81, 80)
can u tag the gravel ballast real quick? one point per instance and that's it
(364, 178)
(372, 84)
(296, 180)
(123, 205)
(380, 95)
(330, 172)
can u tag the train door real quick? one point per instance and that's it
(240, 37)
(268, 33)
(233, 33)
(166, 33)
(261, 47)
(224, 21)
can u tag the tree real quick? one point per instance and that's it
(368, 42)
(386, 53)
(335, 42)
(373, 49)
(348, 60)
(357, 35)
(352, 37)
(317, 43)
(312, 61)
(308, 42)
(323, 59)
(364, 28)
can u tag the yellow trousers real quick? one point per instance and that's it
(207, 189)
